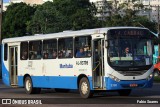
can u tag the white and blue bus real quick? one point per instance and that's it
(115, 58)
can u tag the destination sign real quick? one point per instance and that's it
(128, 33)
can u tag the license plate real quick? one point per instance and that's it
(133, 85)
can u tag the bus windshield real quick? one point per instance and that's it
(130, 51)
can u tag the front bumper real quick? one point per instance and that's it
(126, 84)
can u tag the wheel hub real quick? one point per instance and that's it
(28, 85)
(84, 88)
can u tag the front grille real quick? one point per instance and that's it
(132, 73)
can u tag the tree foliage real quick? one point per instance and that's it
(15, 19)
(21, 19)
(63, 15)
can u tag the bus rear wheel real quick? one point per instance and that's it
(125, 92)
(84, 88)
(29, 87)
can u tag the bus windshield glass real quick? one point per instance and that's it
(129, 48)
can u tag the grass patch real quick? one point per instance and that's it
(157, 79)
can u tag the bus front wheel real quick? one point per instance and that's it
(84, 88)
(125, 92)
(29, 87)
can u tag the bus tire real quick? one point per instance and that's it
(61, 90)
(125, 92)
(29, 86)
(84, 88)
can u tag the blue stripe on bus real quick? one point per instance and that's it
(66, 82)
(5, 72)
(125, 84)
(5, 75)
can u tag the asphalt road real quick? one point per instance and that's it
(49, 96)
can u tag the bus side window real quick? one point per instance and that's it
(82, 47)
(35, 50)
(50, 49)
(24, 51)
(5, 52)
(65, 48)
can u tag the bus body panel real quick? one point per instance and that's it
(66, 82)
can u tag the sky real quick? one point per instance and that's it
(5, 1)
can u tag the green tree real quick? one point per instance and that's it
(63, 15)
(45, 20)
(15, 19)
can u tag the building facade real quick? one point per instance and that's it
(150, 10)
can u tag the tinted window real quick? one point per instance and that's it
(83, 46)
(65, 48)
(24, 51)
(5, 52)
(35, 50)
(50, 49)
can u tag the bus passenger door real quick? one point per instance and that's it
(98, 63)
(13, 50)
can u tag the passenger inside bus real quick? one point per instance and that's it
(45, 56)
(60, 54)
(24, 55)
(127, 52)
(80, 53)
(32, 56)
(54, 55)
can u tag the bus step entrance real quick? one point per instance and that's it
(14, 85)
(98, 88)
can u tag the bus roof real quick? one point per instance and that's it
(65, 34)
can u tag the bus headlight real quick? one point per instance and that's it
(114, 78)
(150, 76)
